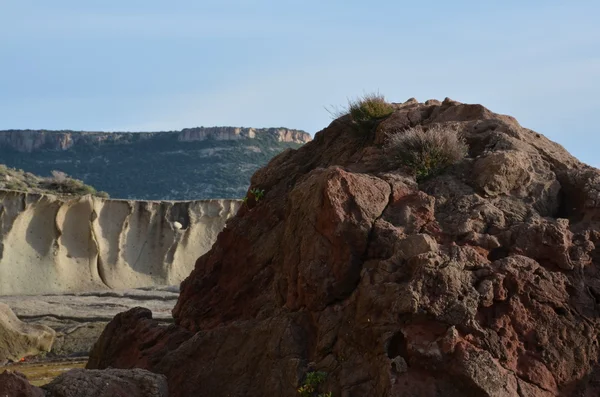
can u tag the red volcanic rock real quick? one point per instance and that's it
(15, 384)
(121, 339)
(481, 281)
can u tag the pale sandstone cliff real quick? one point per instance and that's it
(32, 140)
(235, 133)
(53, 245)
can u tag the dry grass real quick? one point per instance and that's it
(364, 111)
(371, 107)
(40, 374)
(426, 152)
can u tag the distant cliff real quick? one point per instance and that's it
(56, 245)
(194, 163)
(32, 140)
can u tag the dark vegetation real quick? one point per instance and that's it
(160, 168)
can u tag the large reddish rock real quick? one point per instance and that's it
(481, 281)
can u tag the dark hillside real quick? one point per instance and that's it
(161, 166)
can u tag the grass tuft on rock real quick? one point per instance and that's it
(369, 108)
(426, 151)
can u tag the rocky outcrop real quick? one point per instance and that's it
(481, 281)
(54, 245)
(108, 383)
(18, 339)
(32, 140)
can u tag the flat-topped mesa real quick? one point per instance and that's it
(33, 140)
(58, 245)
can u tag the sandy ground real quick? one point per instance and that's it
(41, 373)
(78, 320)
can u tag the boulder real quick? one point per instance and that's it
(18, 339)
(108, 383)
(483, 280)
(15, 384)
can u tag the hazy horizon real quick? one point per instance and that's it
(152, 66)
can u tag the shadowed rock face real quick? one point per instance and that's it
(482, 281)
(54, 245)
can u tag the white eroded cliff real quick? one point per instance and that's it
(53, 245)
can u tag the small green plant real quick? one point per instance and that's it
(258, 194)
(426, 152)
(311, 384)
(369, 108)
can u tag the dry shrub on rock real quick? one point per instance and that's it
(426, 151)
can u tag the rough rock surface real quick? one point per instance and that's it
(18, 339)
(15, 384)
(108, 383)
(481, 281)
(54, 245)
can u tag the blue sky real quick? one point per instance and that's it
(157, 65)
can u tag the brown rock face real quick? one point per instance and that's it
(481, 281)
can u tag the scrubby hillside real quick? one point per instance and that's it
(58, 183)
(195, 163)
(417, 249)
